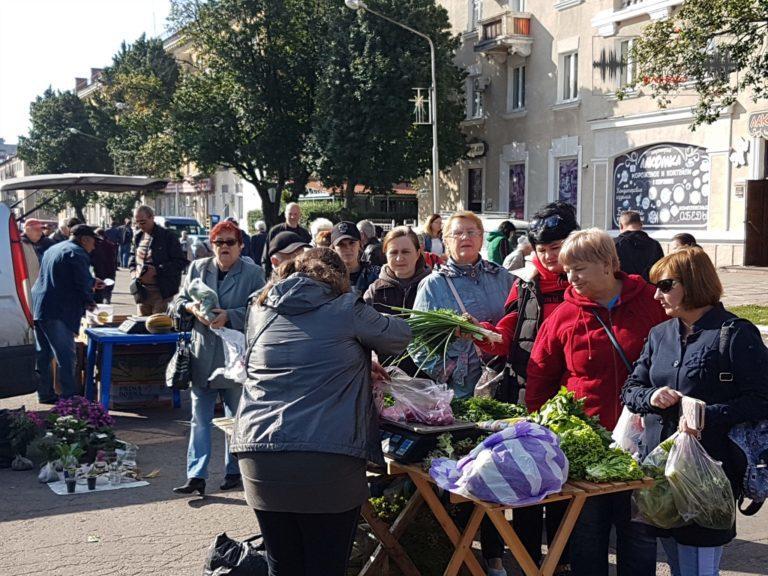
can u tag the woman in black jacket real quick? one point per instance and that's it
(681, 358)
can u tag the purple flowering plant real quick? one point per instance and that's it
(92, 413)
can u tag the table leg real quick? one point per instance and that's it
(512, 540)
(464, 547)
(388, 541)
(556, 547)
(444, 519)
(106, 374)
(90, 388)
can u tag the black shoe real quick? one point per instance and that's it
(231, 481)
(192, 485)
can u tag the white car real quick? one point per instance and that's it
(17, 339)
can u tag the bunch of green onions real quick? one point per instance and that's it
(435, 330)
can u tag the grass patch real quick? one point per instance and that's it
(753, 313)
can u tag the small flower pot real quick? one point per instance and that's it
(91, 482)
(71, 485)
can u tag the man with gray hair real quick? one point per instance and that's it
(156, 264)
(291, 224)
(371, 245)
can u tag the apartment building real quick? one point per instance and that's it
(543, 123)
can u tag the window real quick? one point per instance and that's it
(568, 180)
(516, 88)
(569, 67)
(517, 191)
(627, 69)
(475, 13)
(475, 99)
(517, 5)
(475, 189)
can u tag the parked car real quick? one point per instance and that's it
(17, 340)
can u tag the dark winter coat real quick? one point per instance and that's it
(168, 258)
(638, 252)
(692, 365)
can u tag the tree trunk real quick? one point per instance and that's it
(349, 194)
(270, 210)
(299, 185)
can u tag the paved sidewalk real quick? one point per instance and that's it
(744, 286)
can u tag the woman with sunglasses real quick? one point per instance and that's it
(234, 280)
(682, 358)
(574, 349)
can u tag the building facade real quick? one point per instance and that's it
(544, 123)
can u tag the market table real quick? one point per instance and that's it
(106, 338)
(576, 493)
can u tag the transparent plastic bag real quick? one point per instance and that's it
(656, 505)
(700, 488)
(234, 355)
(628, 431)
(406, 399)
(205, 296)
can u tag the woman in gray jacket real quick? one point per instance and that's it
(234, 280)
(307, 424)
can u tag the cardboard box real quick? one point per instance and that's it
(140, 394)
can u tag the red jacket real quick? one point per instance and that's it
(573, 350)
(547, 282)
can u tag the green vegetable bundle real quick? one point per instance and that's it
(435, 330)
(477, 409)
(656, 505)
(616, 462)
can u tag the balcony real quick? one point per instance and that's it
(504, 34)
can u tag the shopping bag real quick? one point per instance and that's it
(406, 399)
(656, 505)
(700, 488)
(229, 557)
(234, 355)
(628, 431)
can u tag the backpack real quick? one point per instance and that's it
(751, 438)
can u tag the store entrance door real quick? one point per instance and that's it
(756, 222)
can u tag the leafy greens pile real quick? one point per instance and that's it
(448, 448)
(584, 441)
(478, 409)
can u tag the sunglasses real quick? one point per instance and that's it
(547, 223)
(665, 286)
(231, 242)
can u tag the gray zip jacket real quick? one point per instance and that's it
(309, 382)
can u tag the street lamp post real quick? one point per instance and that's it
(358, 5)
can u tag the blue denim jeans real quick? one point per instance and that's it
(125, 255)
(199, 452)
(692, 560)
(635, 542)
(54, 340)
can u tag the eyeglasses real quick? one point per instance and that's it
(230, 242)
(545, 223)
(465, 234)
(665, 286)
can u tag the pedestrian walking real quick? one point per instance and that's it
(126, 240)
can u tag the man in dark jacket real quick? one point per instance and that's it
(637, 251)
(33, 235)
(124, 245)
(157, 262)
(65, 227)
(104, 262)
(372, 252)
(60, 298)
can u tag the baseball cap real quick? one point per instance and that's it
(344, 231)
(286, 243)
(82, 230)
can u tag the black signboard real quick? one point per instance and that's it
(668, 184)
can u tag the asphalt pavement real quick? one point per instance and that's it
(150, 530)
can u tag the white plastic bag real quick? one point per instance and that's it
(406, 399)
(628, 431)
(48, 473)
(234, 355)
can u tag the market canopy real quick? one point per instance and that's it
(85, 182)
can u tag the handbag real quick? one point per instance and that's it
(495, 371)
(137, 290)
(178, 373)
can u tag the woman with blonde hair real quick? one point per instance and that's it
(575, 348)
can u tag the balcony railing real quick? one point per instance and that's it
(505, 33)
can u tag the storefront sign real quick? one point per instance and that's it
(758, 125)
(476, 149)
(668, 184)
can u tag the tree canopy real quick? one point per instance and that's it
(716, 47)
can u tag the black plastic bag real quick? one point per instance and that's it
(228, 557)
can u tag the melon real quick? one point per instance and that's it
(159, 323)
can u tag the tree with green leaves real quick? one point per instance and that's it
(717, 47)
(363, 130)
(247, 102)
(61, 139)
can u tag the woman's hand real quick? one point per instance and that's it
(378, 372)
(221, 318)
(685, 429)
(466, 335)
(665, 397)
(194, 308)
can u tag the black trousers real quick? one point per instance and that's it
(301, 544)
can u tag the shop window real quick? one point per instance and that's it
(568, 180)
(517, 191)
(475, 189)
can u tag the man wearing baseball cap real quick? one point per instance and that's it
(60, 298)
(345, 241)
(284, 247)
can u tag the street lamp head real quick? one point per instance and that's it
(355, 4)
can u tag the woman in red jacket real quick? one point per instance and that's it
(573, 349)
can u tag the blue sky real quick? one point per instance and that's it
(51, 42)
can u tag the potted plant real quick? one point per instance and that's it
(91, 477)
(69, 457)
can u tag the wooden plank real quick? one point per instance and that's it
(445, 521)
(389, 543)
(512, 540)
(464, 547)
(556, 547)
